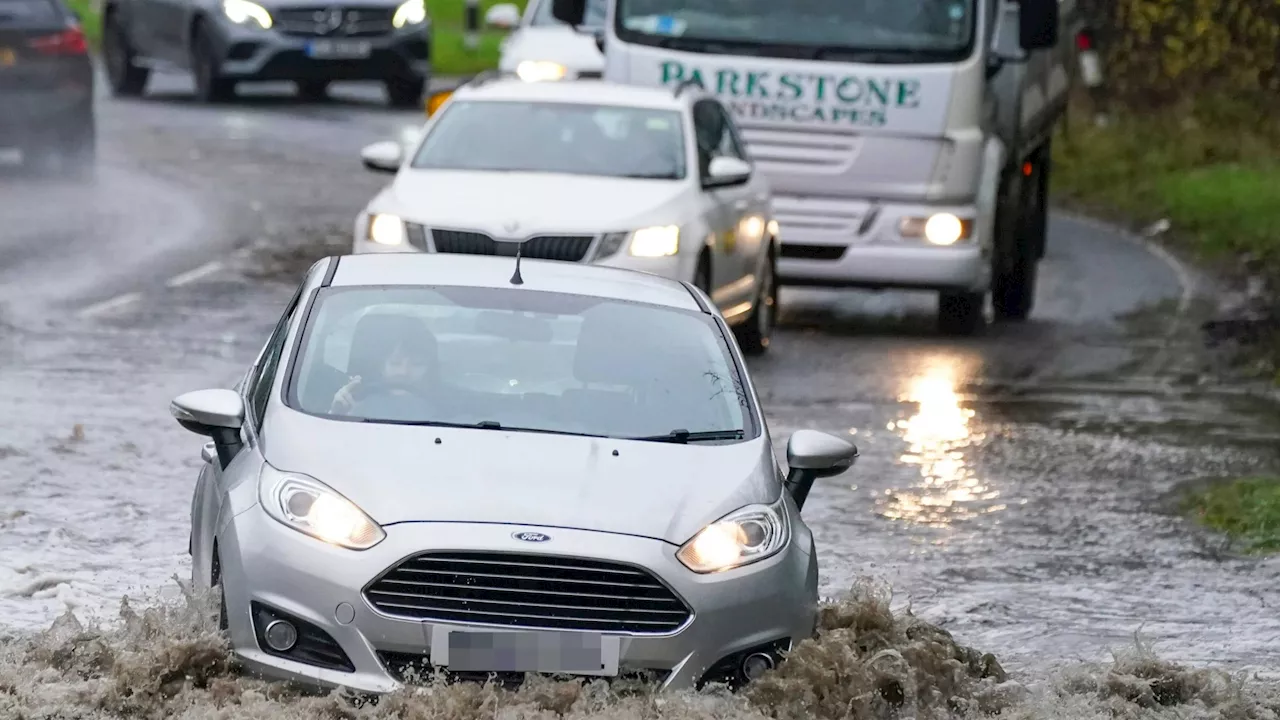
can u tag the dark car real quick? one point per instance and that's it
(224, 42)
(46, 85)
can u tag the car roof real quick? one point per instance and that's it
(587, 92)
(373, 269)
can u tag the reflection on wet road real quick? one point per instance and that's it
(1012, 487)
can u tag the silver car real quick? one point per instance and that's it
(485, 465)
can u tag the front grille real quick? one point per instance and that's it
(414, 669)
(798, 251)
(528, 591)
(334, 22)
(567, 248)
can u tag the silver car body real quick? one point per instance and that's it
(611, 509)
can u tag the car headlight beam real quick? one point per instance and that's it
(655, 242)
(745, 536)
(941, 229)
(411, 12)
(386, 229)
(311, 507)
(540, 71)
(241, 12)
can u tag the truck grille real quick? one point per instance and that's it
(567, 248)
(528, 591)
(338, 22)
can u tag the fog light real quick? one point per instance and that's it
(281, 636)
(755, 665)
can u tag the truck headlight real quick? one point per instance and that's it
(386, 229)
(742, 537)
(311, 507)
(540, 70)
(411, 12)
(241, 12)
(937, 229)
(660, 241)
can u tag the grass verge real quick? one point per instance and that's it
(449, 52)
(1247, 510)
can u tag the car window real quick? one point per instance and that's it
(572, 138)
(593, 18)
(713, 129)
(519, 358)
(17, 13)
(263, 377)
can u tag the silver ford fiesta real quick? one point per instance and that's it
(486, 466)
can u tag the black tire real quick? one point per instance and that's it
(406, 93)
(702, 274)
(224, 623)
(211, 87)
(757, 332)
(1013, 283)
(961, 313)
(313, 90)
(123, 75)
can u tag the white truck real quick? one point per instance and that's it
(906, 141)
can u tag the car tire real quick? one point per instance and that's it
(757, 332)
(313, 90)
(123, 75)
(224, 621)
(961, 313)
(211, 87)
(406, 92)
(702, 274)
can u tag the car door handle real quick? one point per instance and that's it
(209, 453)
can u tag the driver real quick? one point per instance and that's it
(401, 357)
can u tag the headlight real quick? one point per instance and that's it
(539, 70)
(242, 11)
(938, 229)
(412, 12)
(309, 506)
(655, 241)
(386, 229)
(740, 538)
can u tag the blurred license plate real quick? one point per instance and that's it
(339, 49)
(537, 652)
(7, 57)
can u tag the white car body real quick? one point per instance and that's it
(726, 238)
(543, 48)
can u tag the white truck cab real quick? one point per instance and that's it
(906, 141)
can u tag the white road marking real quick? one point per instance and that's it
(191, 276)
(118, 301)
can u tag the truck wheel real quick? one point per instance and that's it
(960, 313)
(1013, 292)
(125, 78)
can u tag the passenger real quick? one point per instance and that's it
(402, 372)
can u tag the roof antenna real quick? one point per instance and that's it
(515, 277)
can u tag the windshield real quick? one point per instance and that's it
(516, 359)
(548, 137)
(594, 17)
(856, 30)
(19, 13)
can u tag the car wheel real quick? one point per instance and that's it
(702, 274)
(211, 87)
(126, 78)
(313, 90)
(224, 623)
(961, 313)
(406, 92)
(758, 330)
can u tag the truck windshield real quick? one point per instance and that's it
(887, 31)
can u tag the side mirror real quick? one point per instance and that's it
(384, 156)
(570, 12)
(502, 17)
(726, 171)
(1037, 24)
(215, 413)
(812, 455)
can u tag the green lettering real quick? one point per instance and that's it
(672, 72)
(819, 114)
(907, 93)
(880, 92)
(793, 87)
(730, 78)
(821, 87)
(843, 87)
(696, 77)
(755, 81)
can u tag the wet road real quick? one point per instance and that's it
(1012, 487)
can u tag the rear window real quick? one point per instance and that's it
(28, 12)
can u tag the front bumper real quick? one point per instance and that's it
(251, 53)
(871, 253)
(267, 565)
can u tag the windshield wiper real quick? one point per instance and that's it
(482, 425)
(683, 436)
(650, 176)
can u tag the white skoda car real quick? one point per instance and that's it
(655, 180)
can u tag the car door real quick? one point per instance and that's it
(749, 209)
(725, 209)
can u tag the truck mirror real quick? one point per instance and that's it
(571, 12)
(1038, 24)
